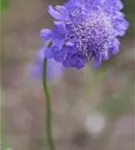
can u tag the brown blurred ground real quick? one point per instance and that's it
(76, 96)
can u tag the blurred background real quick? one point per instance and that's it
(92, 109)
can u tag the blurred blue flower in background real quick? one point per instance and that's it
(85, 30)
(54, 68)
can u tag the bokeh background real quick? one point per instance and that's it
(92, 109)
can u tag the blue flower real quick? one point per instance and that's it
(85, 30)
(54, 68)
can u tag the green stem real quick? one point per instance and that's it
(48, 108)
(3, 140)
(2, 144)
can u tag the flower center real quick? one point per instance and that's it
(93, 35)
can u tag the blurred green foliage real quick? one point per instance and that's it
(4, 5)
(115, 107)
(129, 9)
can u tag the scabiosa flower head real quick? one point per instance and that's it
(85, 30)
